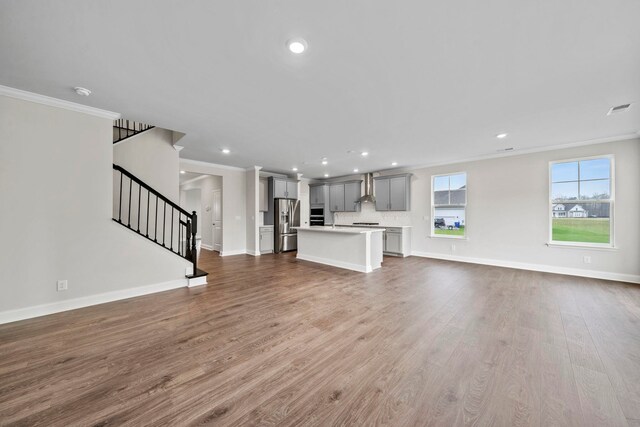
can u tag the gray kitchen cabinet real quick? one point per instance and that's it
(381, 193)
(284, 188)
(336, 197)
(279, 188)
(352, 192)
(393, 241)
(393, 193)
(266, 240)
(316, 194)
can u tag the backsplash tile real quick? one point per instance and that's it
(368, 213)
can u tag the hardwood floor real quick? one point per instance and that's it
(276, 341)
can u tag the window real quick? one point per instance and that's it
(449, 203)
(581, 201)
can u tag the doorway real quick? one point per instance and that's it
(209, 207)
(216, 198)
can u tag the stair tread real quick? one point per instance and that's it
(199, 273)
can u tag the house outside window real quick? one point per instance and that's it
(581, 197)
(449, 205)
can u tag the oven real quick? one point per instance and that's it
(316, 217)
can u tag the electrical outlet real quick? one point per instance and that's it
(586, 259)
(62, 285)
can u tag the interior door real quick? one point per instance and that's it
(217, 220)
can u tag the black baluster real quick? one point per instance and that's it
(148, 196)
(172, 210)
(139, 199)
(164, 222)
(155, 229)
(120, 205)
(130, 188)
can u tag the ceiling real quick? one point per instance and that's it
(415, 82)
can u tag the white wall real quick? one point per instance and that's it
(150, 156)
(55, 216)
(205, 185)
(508, 213)
(233, 202)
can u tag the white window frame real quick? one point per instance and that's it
(433, 207)
(611, 201)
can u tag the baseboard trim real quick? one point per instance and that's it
(606, 275)
(207, 247)
(333, 263)
(197, 281)
(75, 303)
(236, 252)
(254, 253)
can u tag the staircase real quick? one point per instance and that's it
(143, 210)
(123, 129)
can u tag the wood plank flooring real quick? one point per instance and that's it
(276, 341)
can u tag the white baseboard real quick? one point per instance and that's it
(197, 281)
(334, 263)
(207, 247)
(236, 252)
(254, 253)
(75, 303)
(606, 275)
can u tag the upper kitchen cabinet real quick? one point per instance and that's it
(393, 193)
(316, 194)
(344, 196)
(336, 197)
(284, 188)
(352, 193)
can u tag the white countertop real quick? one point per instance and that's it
(343, 230)
(374, 226)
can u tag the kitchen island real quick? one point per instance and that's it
(358, 249)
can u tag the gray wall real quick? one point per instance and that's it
(56, 191)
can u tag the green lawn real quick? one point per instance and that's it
(447, 232)
(583, 230)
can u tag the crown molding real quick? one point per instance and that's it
(213, 165)
(58, 103)
(513, 153)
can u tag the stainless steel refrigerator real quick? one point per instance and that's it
(287, 215)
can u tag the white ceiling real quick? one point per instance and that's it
(414, 81)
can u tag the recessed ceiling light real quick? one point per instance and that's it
(82, 91)
(225, 151)
(501, 135)
(295, 169)
(182, 172)
(364, 154)
(326, 175)
(324, 162)
(297, 46)
(394, 163)
(355, 170)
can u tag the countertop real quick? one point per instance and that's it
(343, 230)
(373, 226)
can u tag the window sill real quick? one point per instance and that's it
(580, 246)
(443, 236)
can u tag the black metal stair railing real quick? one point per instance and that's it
(123, 129)
(145, 211)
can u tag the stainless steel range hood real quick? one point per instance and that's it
(368, 196)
